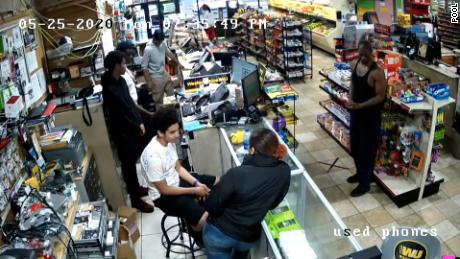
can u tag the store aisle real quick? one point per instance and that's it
(375, 209)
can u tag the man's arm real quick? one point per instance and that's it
(220, 195)
(143, 110)
(173, 57)
(165, 189)
(380, 90)
(184, 174)
(145, 67)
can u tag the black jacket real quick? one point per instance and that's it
(239, 203)
(121, 111)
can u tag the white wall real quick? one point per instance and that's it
(10, 5)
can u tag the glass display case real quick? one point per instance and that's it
(312, 210)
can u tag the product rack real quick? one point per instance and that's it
(419, 10)
(401, 190)
(450, 35)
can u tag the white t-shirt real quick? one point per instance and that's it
(159, 163)
(131, 86)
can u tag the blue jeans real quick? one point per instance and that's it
(221, 246)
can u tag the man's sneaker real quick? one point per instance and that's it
(353, 179)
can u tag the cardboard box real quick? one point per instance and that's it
(125, 251)
(129, 229)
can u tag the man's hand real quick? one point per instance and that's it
(180, 66)
(352, 105)
(203, 186)
(142, 127)
(201, 192)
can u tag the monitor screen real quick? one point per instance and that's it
(251, 88)
(422, 50)
(240, 69)
(262, 72)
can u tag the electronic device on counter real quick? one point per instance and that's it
(220, 94)
(240, 69)
(198, 66)
(251, 89)
(74, 151)
(243, 120)
(17, 253)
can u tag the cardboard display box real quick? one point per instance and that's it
(128, 234)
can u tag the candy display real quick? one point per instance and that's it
(335, 91)
(338, 110)
(439, 91)
(413, 95)
(335, 128)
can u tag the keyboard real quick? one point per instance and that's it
(201, 116)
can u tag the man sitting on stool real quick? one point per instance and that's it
(172, 188)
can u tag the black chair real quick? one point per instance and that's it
(169, 243)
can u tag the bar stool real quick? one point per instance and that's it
(169, 243)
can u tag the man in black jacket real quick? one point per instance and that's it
(239, 202)
(125, 125)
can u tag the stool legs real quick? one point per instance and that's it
(165, 234)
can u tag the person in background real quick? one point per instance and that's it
(125, 125)
(172, 188)
(244, 195)
(368, 91)
(209, 22)
(129, 49)
(153, 65)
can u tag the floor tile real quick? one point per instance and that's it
(153, 249)
(451, 187)
(357, 221)
(151, 222)
(323, 181)
(454, 245)
(305, 158)
(456, 199)
(334, 194)
(365, 203)
(398, 213)
(340, 176)
(314, 169)
(306, 137)
(448, 207)
(378, 217)
(347, 188)
(455, 220)
(420, 205)
(373, 239)
(446, 250)
(345, 208)
(413, 220)
(446, 230)
(431, 216)
(323, 155)
(380, 196)
(438, 197)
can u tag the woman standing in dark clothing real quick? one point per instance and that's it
(125, 125)
(238, 203)
(368, 91)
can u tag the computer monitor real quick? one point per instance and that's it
(251, 88)
(241, 69)
(262, 72)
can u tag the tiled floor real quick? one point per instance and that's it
(375, 209)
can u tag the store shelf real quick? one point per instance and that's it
(403, 190)
(334, 138)
(333, 96)
(413, 107)
(335, 81)
(336, 114)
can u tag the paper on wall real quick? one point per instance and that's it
(41, 79)
(5, 69)
(23, 75)
(17, 39)
(31, 58)
(32, 91)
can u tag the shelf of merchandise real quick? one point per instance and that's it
(450, 35)
(419, 10)
(337, 114)
(347, 149)
(402, 190)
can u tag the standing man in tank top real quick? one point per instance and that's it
(367, 93)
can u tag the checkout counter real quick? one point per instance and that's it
(212, 152)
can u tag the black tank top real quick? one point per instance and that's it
(362, 92)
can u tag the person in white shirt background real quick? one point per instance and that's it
(208, 21)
